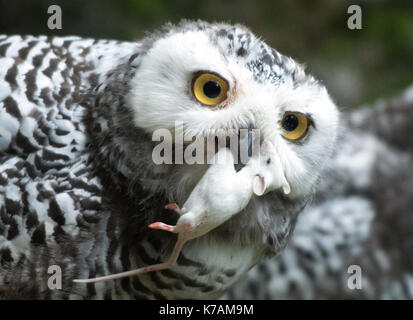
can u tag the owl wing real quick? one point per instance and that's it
(50, 198)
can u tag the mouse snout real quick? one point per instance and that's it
(270, 171)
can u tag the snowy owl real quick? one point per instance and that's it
(78, 183)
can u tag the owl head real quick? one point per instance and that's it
(217, 78)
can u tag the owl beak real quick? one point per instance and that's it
(250, 138)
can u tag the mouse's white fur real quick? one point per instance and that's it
(220, 194)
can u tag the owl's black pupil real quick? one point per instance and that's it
(212, 89)
(290, 122)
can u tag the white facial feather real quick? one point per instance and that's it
(161, 95)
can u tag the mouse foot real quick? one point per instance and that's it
(162, 226)
(173, 206)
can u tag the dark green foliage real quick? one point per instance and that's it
(357, 66)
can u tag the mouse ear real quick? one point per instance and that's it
(258, 185)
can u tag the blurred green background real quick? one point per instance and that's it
(357, 66)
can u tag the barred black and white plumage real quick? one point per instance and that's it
(78, 186)
(48, 190)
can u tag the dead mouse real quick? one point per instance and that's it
(220, 194)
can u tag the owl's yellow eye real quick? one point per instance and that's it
(294, 125)
(209, 88)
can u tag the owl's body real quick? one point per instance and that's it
(78, 186)
(51, 200)
(361, 215)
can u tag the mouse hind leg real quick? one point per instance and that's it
(162, 226)
(155, 267)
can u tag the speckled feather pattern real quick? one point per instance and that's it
(73, 192)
